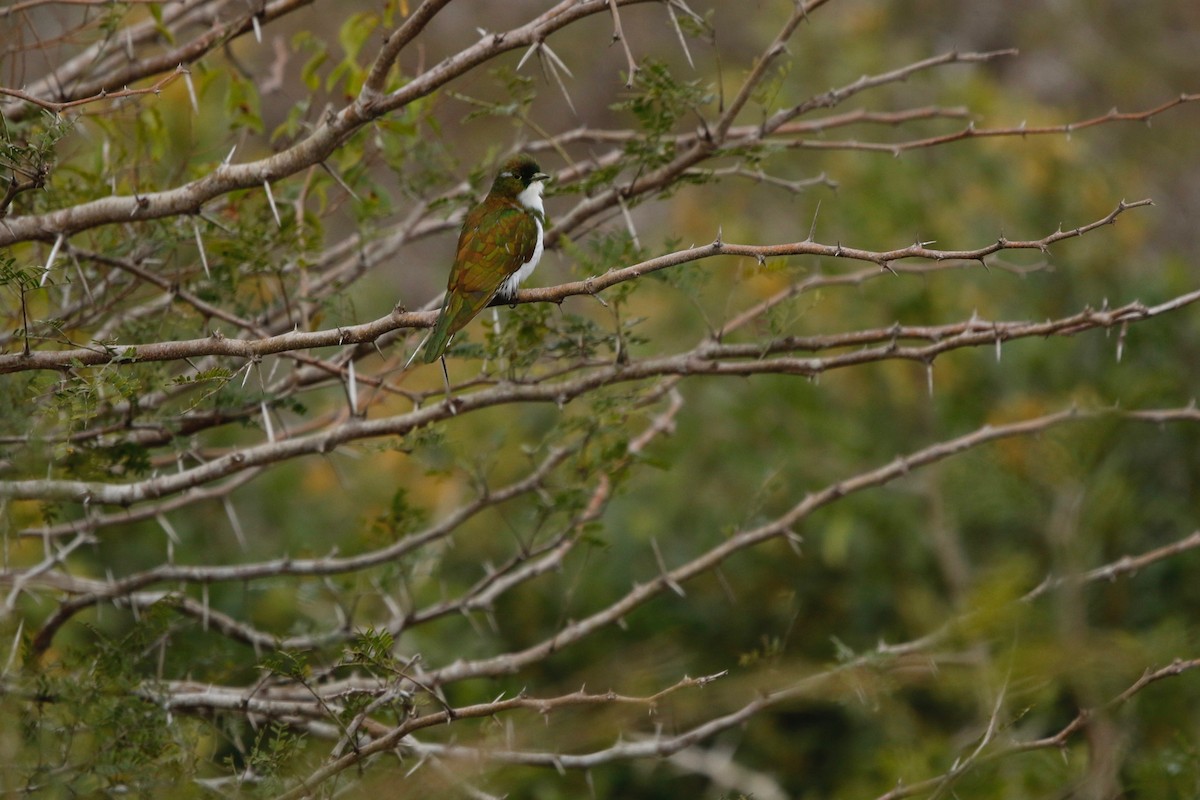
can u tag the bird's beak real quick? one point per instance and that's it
(539, 176)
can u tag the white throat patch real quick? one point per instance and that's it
(531, 196)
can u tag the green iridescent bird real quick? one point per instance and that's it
(500, 244)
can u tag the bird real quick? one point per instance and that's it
(498, 248)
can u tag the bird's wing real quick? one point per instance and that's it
(494, 243)
(496, 239)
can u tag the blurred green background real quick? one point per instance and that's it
(892, 564)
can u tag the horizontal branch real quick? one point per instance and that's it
(972, 132)
(738, 134)
(836, 96)
(658, 746)
(25, 5)
(970, 333)
(103, 94)
(593, 135)
(333, 130)
(1125, 565)
(214, 345)
(705, 359)
(883, 258)
(90, 523)
(287, 566)
(217, 345)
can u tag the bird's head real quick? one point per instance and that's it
(517, 174)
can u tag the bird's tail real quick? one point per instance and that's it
(435, 345)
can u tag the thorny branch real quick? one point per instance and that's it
(117, 288)
(782, 526)
(109, 63)
(103, 94)
(988, 751)
(332, 132)
(704, 359)
(287, 702)
(382, 738)
(217, 345)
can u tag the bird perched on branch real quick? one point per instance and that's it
(500, 244)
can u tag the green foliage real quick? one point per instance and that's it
(18, 280)
(517, 90)
(520, 337)
(698, 26)
(401, 518)
(288, 664)
(659, 103)
(959, 544)
(372, 649)
(93, 733)
(212, 374)
(271, 756)
(305, 40)
(242, 105)
(27, 148)
(603, 252)
(411, 145)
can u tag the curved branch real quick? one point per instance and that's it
(90, 81)
(315, 148)
(705, 359)
(971, 132)
(103, 94)
(217, 345)
(781, 526)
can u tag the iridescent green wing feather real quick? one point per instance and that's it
(498, 236)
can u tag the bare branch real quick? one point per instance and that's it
(101, 67)
(189, 198)
(103, 94)
(175, 332)
(367, 332)
(706, 359)
(780, 526)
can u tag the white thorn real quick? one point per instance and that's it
(191, 87)
(266, 415)
(204, 606)
(234, 522)
(532, 48)
(271, 200)
(12, 654)
(200, 247)
(50, 261)
(167, 527)
(553, 56)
